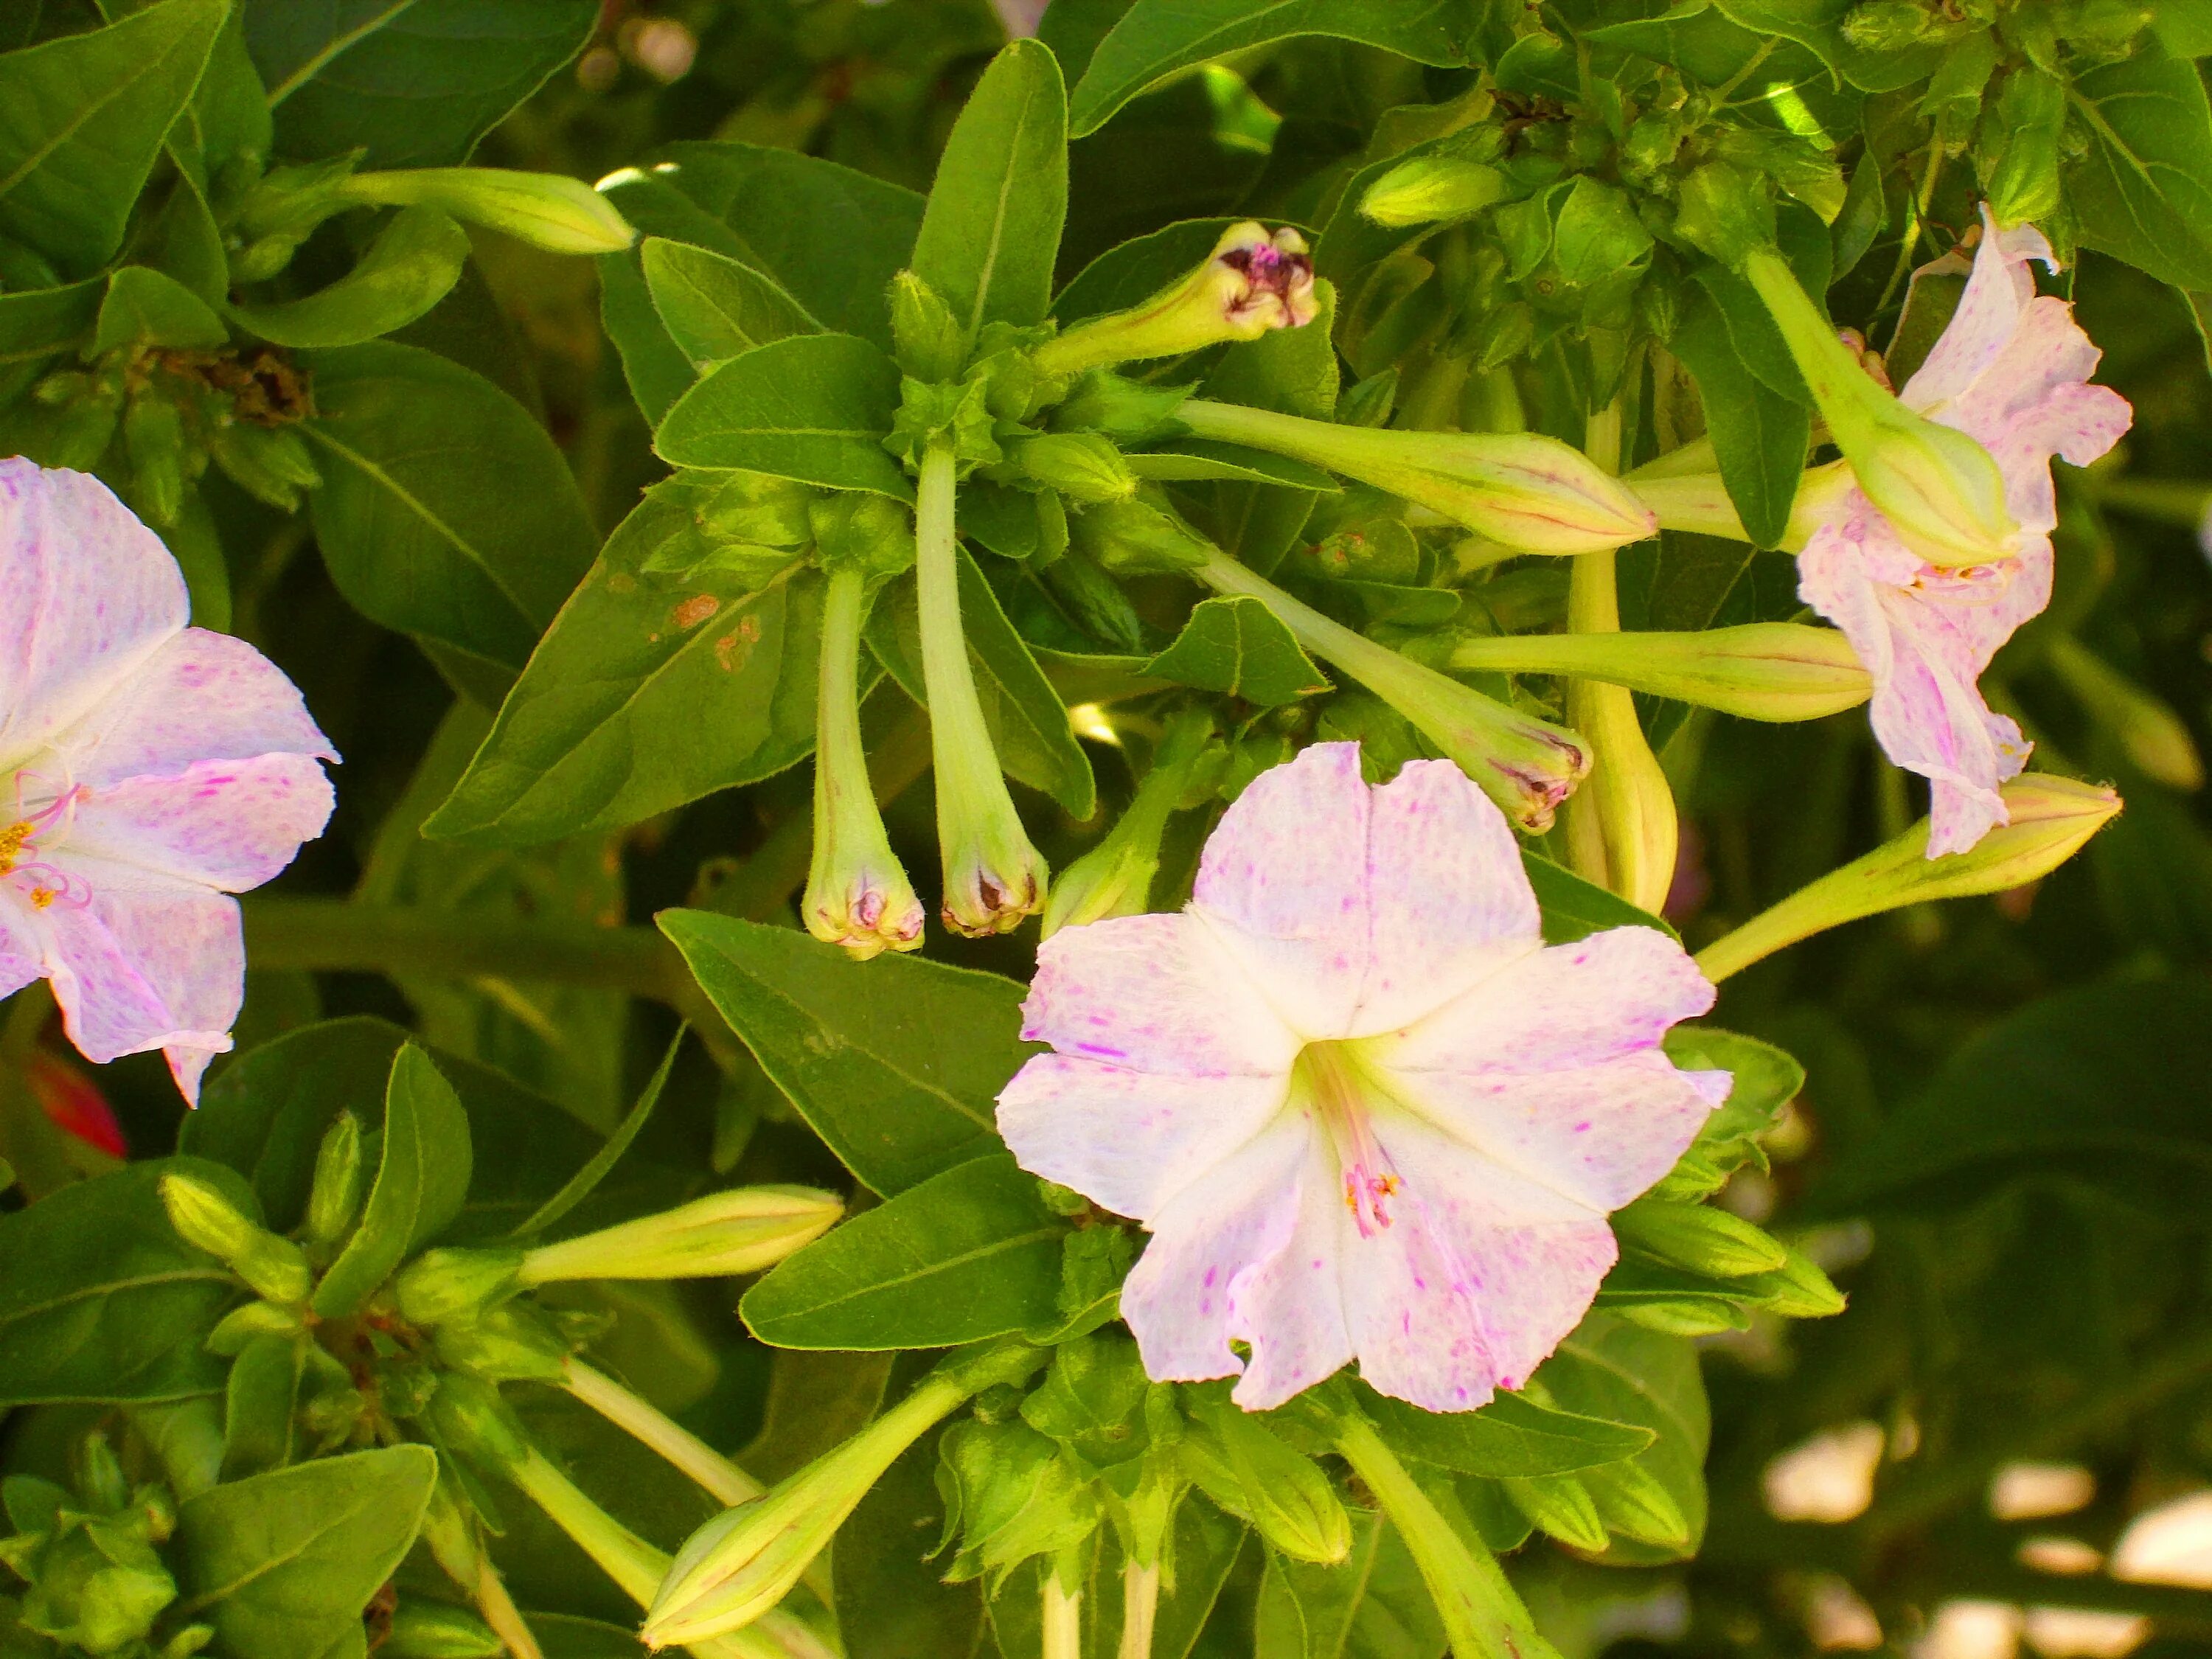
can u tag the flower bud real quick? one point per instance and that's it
(857, 892)
(1530, 493)
(1800, 1290)
(737, 1231)
(926, 337)
(273, 1267)
(1559, 1505)
(739, 1566)
(1431, 188)
(1141, 535)
(472, 1421)
(434, 1630)
(1940, 490)
(1251, 283)
(335, 1196)
(854, 529)
(2022, 130)
(1240, 1463)
(242, 1324)
(1114, 878)
(512, 1343)
(2048, 820)
(562, 215)
(270, 463)
(1010, 1494)
(1082, 466)
(1698, 1238)
(446, 1284)
(1761, 670)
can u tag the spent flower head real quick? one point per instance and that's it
(1254, 281)
(1364, 1110)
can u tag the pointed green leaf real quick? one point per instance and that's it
(815, 407)
(1235, 647)
(2142, 189)
(421, 1183)
(715, 308)
(408, 268)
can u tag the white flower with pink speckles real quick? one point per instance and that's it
(1364, 1110)
(149, 771)
(2012, 371)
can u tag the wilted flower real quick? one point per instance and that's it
(156, 769)
(1361, 1107)
(1251, 283)
(2011, 370)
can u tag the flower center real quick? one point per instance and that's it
(1330, 1083)
(20, 840)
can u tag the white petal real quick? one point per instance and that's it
(1596, 1136)
(1153, 993)
(1612, 994)
(1177, 1298)
(1130, 1141)
(228, 825)
(1998, 291)
(200, 696)
(87, 595)
(1290, 1309)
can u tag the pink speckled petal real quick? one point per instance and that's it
(147, 962)
(1154, 993)
(1130, 1141)
(1998, 291)
(1290, 1309)
(1530, 1147)
(91, 593)
(22, 953)
(230, 824)
(1450, 899)
(1284, 884)
(1176, 1299)
(1610, 994)
(200, 696)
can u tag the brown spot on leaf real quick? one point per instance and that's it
(735, 646)
(689, 613)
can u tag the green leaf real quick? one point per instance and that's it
(992, 229)
(413, 538)
(414, 259)
(422, 1183)
(834, 237)
(1574, 908)
(814, 407)
(2142, 189)
(144, 309)
(1131, 272)
(896, 1063)
(282, 1564)
(36, 324)
(655, 366)
(581, 1185)
(1027, 720)
(715, 308)
(646, 693)
(413, 82)
(82, 119)
(1622, 1373)
(1371, 1606)
(1513, 1435)
(258, 1404)
(2103, 1083)
(1156, 37)
(102, 1301)
(1755, 410)
(969, 1254)
(1199, 461)
(1765, 1080)
(1235, 647)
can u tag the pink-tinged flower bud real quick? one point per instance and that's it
(1938, 487)
(1252, 282)
(857, 893)
(74, 1104)
(737, 1231)
(1762, 671)
(1522, 491)
(2047, 821)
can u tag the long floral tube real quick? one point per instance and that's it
(1778, 672)
(1698, 501)
(1524, 764)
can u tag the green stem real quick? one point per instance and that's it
(1483, 1618)
(1140, 1605)
(966, 762)
(1839, 386)
(2162, 500)
(729, 1483)
(1758, 671)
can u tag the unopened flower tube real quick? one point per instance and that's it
(1252, 282)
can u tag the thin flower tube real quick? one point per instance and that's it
(1362, 1110)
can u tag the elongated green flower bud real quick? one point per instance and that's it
(1430, 188)
(514, 1343)
(1251, 283)
(736, 1567)
(1530, 493)
(1761, 670)
(992, 877)
(1114, 878)
(562, 215)
(857, 892)
(335, 1197)
(1940, 490)
(2051, 819)
(1699, 1237)
(1800, 1290)
(1526, 765)
(273, 1267)
(432, 1630)
(1559, 1505)
(926, 337)
(737, 1231)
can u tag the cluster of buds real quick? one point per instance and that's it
(89, 1560)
